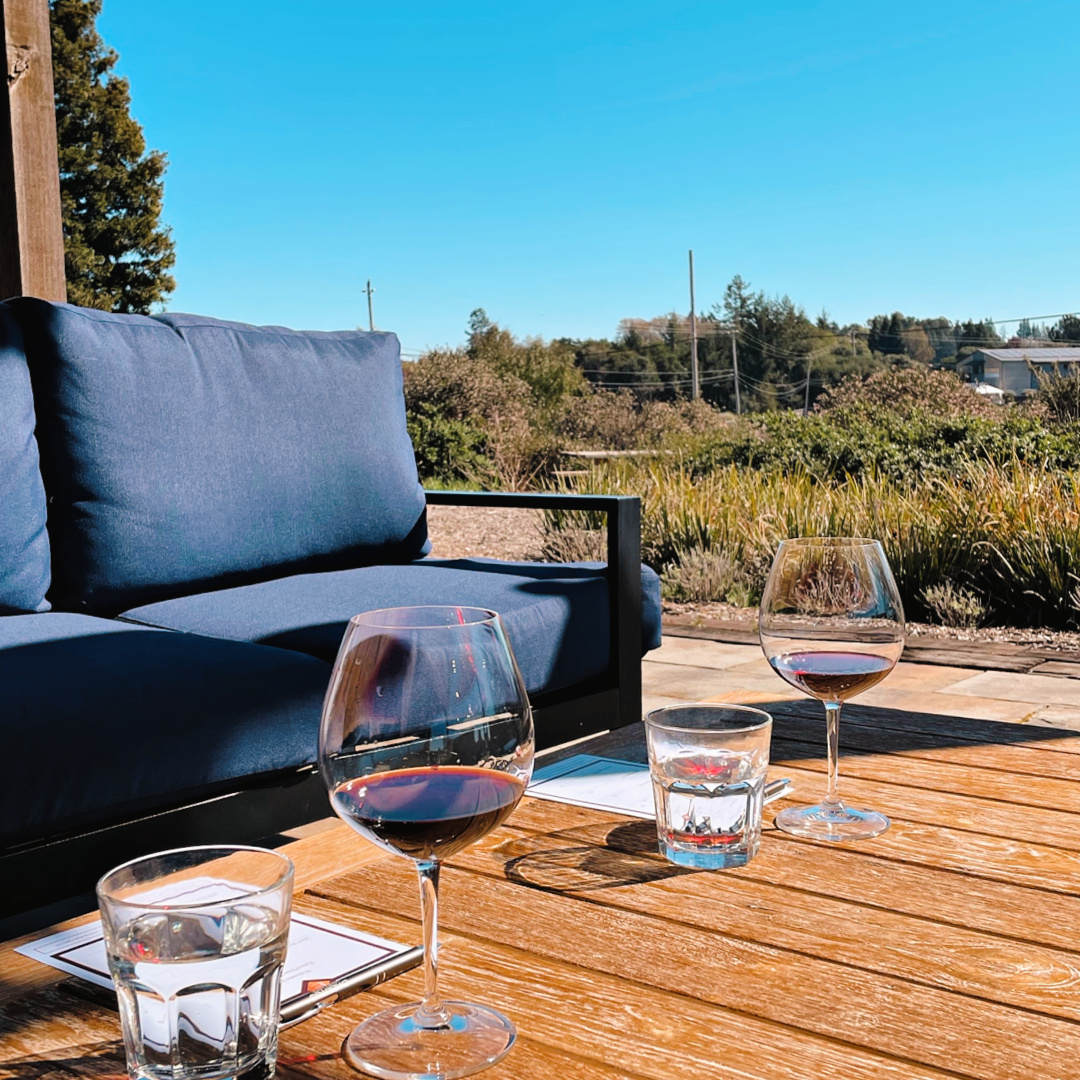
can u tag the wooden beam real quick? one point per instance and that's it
(31, 230)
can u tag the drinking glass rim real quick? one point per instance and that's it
(706, 705)
(287, 874)
(364, 618)
(832, 541)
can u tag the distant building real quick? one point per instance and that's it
(1010, 370)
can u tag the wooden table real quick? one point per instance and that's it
(948, 947)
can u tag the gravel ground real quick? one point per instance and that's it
(1043, 639)
(466, 531)
(459, 532)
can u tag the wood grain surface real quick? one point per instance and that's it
(947, 947)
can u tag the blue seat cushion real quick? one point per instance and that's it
(556, 614)
(182, 453)
(102, 721)
(24, 543)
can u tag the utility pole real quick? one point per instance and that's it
(806, 403)
(852, 342)
(370, 313)
(695, 385)
(735, 365)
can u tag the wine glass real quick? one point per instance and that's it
(426, 745)
(831, 623)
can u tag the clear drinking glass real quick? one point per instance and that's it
(708, 763)
(831, 623)
(196, 939)
(426, 745)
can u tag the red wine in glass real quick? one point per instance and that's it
(428, 813)
(831, 623)
(831, 676)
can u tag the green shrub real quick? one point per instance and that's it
(700, 575)
(906, 448)
(457, 386)
(954, 606)
(901, 389)
(446, 450)
(1059, 392)
(606, 420)
(574, 543)
(471, 421)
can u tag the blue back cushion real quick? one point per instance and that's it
(24, 543)
(183, 453)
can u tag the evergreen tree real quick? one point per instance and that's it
(1066, 330)
(117, 252)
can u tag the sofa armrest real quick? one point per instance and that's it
(623, 569)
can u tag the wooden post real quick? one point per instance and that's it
(31, 232)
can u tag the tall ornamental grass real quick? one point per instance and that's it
(1009, 534)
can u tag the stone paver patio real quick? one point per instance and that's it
(696, 669)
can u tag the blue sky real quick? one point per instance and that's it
(552, 163)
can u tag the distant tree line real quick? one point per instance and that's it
(779, 350)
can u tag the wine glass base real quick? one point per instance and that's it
(831, 821)
(393, 1046)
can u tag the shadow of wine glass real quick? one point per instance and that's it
(561, 862)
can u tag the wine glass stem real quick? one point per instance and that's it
(832, 722)
(430, 1014)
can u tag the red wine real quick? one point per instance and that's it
(428, 813)
(832, 676)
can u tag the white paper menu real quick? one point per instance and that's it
(319, 952)
(600, 783)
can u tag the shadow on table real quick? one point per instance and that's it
(622, 855)
(91, 1061)
(799, 731)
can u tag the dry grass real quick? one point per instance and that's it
(1008, 535)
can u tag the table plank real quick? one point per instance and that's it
(976, 963)
(852, 873)
(636, 1029)
(878, 1011)
(304, 1049)
(95, 1048)
(1019, 806)
(1015, 773)
(1029, 844)
(1010, 748)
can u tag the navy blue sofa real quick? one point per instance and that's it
(190, 511)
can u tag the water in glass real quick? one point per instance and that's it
(708, 763)
(709, 808)
(196, 938)
(199, 993)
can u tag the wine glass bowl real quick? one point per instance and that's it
(426, 745)
(832, 625)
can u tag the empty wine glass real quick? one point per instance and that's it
(831, 623)
(426, 745)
